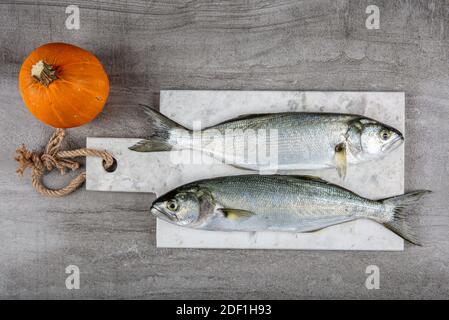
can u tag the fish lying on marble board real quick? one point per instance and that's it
(280, 141)
(279, 203)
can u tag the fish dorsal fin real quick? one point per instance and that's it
(303, 177)
(236, 214)
(313, 178)
(248, 116)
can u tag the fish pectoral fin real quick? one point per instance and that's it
(341, 159)
(236, 214)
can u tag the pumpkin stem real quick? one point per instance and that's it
(44, 73)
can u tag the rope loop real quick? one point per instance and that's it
(54, 158)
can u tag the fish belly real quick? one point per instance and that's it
(260, 223)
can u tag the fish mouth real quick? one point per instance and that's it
(163, 215)
(396, 142)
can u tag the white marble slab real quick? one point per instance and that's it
(154, 172)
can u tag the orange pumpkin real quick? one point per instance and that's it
(63, 85)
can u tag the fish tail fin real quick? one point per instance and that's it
(153, 145)
(160, 127)
(399, 223)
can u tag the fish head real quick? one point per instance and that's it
(373, 139)
(181, 206)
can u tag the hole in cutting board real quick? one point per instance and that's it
(112, 168)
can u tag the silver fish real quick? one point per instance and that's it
(301, 140)
(278, 203)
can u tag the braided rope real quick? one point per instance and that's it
(52, 158)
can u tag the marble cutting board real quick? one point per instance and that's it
(154, 172)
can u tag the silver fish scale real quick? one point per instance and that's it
(305, 140)
(286, 203)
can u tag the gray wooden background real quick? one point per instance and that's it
(279, 45)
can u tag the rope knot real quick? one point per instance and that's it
(28, 159)
(52, 158)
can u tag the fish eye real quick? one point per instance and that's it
(385, 135)
(172, 205)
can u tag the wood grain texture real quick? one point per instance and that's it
(279, 45)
